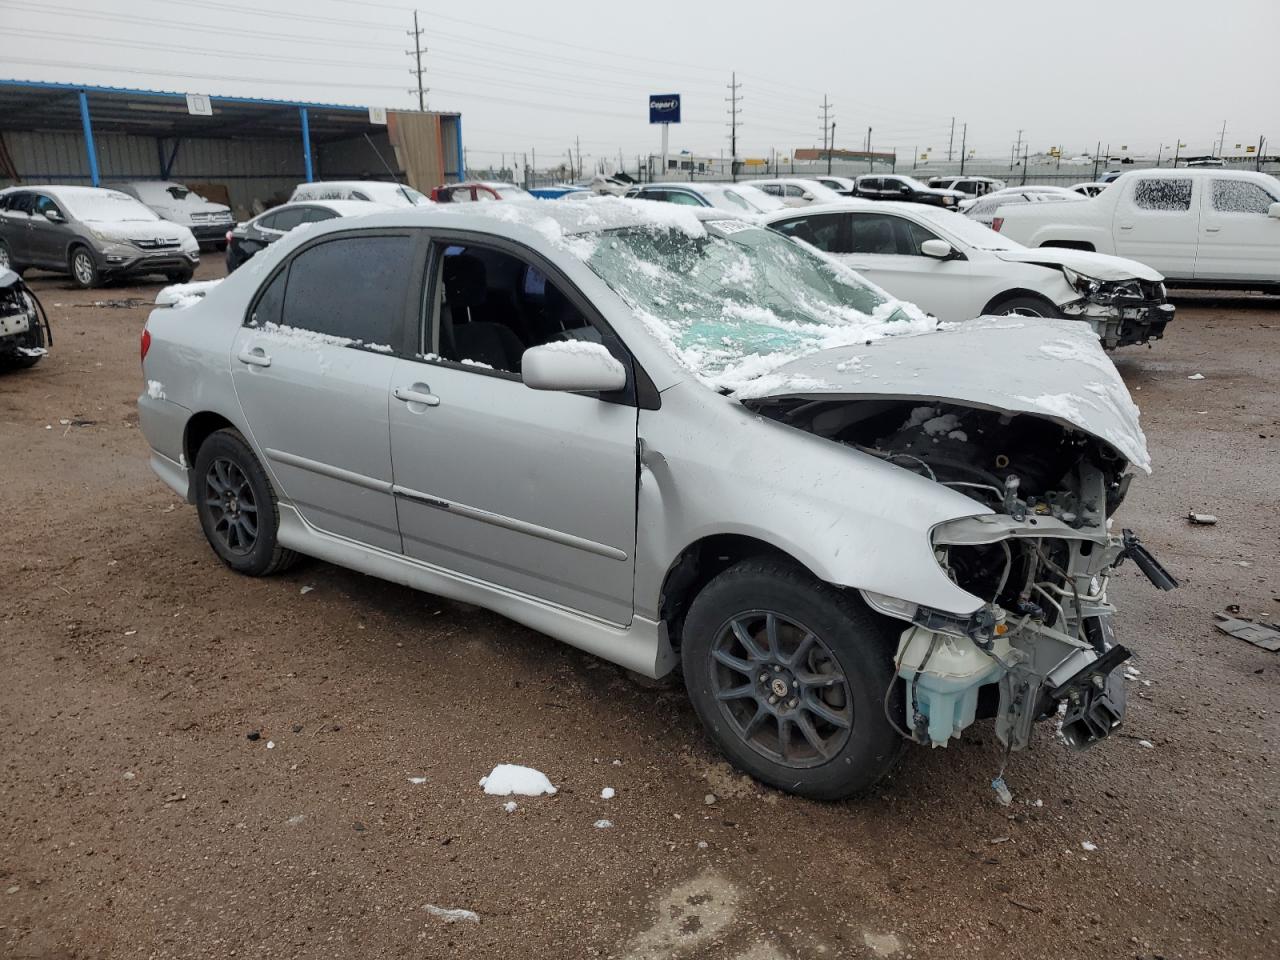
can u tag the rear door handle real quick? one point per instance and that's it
(418, 393)
(1212, 229)
(1126, 226)
(257, 357)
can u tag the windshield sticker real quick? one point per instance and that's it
(729, 227)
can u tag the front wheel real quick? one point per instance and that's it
(180, 276)
(83, 269)
(789, 676)
(237, 506)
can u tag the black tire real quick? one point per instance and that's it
(1027, 306)
(83, 268)
(180, 276)
(852, 644)
(238, 509)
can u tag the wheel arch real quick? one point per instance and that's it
(198, 429)
(700, 562)
(1015, 293)
(1071, 245)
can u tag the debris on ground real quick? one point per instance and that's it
(1146, 744)
(1088, 845)
(607, 793)
(510, 806)
(1202, 519)
(453, 915)
(253, 735)
(1003, 793)
(709, 799)
(509, 778)
(603, 824)
(1261, 635)
(417, 780)
(1196, 376)
(305, 590)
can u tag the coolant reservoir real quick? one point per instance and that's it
(946, 691)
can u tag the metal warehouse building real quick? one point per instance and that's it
(237, 150)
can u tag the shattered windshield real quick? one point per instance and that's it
(738, 301)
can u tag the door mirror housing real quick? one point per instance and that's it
(572, 366)
(939, 249)
(54, 216)
(1274, 211)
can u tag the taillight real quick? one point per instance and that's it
(146, 343)
(997, 223)
(228, 236)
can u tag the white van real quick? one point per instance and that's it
(176, 203)
(376, 191)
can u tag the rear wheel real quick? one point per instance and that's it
(789, 675)
(237, 506)
(83, 269)
(1027, 307)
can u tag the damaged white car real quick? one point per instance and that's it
(671, 438)
(957, 269)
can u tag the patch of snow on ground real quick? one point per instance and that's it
(454, 915)
(603, 824)
(1087, 845)
(509, 778)
(1196, 376)
(417, 781)
(607, 793)
(155, 389)
(1146, 744)
(510, 806)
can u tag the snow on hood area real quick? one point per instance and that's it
(1100, 266)
(181, 295)
(729, 300)
(1048, 368)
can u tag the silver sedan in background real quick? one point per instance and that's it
(674, 439)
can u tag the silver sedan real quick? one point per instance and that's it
(673, 439)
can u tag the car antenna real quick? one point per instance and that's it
(386, 166)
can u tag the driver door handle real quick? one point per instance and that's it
(418, 393)
(256, 357)
(1212, 229)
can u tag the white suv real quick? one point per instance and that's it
(176, 203)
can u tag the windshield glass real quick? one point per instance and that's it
(734, 304)
(105, 206)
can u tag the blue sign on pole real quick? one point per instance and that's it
(664, 108)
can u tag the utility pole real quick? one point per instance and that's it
(831, 147)
(417, 53)
(1024, 164)
(1221, 137)
(1017, 149)
(734, 110)
(964, 139)
(577, 142)
(952, 139)
(826, 129)
(1257, 159)
(868, 139)
(1159, 154)
(1096, 150)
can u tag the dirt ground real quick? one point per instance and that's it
(138, 820)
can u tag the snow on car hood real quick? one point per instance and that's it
(140, 230)
(1048, 368)
(1100, 266)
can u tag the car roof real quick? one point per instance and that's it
(61, 190)
(343, 208)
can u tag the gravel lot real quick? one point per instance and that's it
(138, 820)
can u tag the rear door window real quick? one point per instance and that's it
(1165, 195)
(1240, 196)
(826, 231)
(355, 288)
(286, 220)
(875, 233)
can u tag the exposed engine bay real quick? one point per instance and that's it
(25, 334)
(1041, 643)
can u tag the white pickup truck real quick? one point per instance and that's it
(1207, 228)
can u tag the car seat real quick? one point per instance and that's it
(462, 338)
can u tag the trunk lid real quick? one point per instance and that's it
(1053, 369)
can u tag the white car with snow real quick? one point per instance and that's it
(740, 199)
(797, 192)
(1204, 228)
(983, 209)
(683, 440)
(957, 269)
(386, 192)
(178, 203)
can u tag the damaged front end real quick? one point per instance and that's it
(1121, 312)
(1042, 642)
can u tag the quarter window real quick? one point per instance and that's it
(350, 287)
(1240, 196)
(1163, 195)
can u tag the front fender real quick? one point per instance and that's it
(851, 519)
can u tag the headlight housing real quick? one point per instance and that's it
(1086, 286)
(1103, 291)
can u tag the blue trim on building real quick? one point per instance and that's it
(306, 143)
(89, 146)
(462, 169)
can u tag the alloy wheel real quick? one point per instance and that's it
(82, 264)
(781, 689)
(228, 496)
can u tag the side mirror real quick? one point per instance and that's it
(934, 247)
(1274, 211)
(54, 216)
(806, 195)
(572, 366)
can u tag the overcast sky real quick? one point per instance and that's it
(533, 76)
